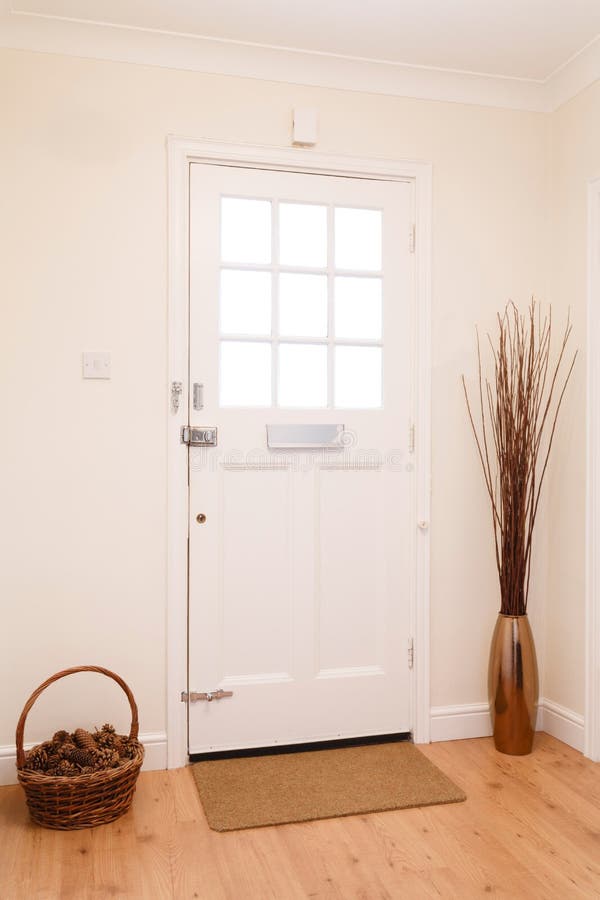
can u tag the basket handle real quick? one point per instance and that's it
(133, 732)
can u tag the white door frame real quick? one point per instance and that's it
(592, 613)
(181, 153)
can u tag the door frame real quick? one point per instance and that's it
(592, 607)
(181, 153)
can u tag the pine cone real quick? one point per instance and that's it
(84, 739)
(60, 737)
(66, 768)
(114, 759)
(82, 758)
(105, 739)
(108, 728)
(36, 759)
(53, 760)
(107, 758)
(65, 750)
(128, 749)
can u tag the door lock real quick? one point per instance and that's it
(206, 436)
(194, 696)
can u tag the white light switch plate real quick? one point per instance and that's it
(96, 364)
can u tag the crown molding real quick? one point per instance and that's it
(574, 76)
(105, 41)
(200, 54)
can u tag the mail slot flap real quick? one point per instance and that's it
(305, 437)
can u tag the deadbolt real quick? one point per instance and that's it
(200, 518)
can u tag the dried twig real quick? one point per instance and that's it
(516, 410)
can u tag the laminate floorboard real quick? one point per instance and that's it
(530, 828)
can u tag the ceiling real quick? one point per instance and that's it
(524, 39)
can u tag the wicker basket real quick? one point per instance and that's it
(67, 802)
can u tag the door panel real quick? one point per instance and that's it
(351, 569)
(249, 598)
(300, 574)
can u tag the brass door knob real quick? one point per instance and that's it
(200, 518)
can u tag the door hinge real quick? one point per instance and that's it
(411, 653)
(193, 697)
(411, 438)
(412, 238)
(205, 436)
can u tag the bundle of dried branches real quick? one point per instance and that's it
(517, 409)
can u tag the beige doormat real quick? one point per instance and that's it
(296, 787)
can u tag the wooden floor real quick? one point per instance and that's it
(530, 828)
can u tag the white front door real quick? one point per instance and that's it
(300, 543)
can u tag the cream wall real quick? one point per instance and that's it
(84, 267)
(575, 158)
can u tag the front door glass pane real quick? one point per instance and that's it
(302, 376)
(245, 302)
(358, 239)
(303, 235)
(245, 376)
(302, 305)
(358, 377)
(358, 308)
(245, 230)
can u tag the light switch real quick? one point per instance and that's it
(96, 365)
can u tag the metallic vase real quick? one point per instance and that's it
(513, 685)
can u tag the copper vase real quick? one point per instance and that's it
(513, 685)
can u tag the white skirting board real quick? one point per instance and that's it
(155, 745)
(562, 723)
(451, 723)
(448, 723)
